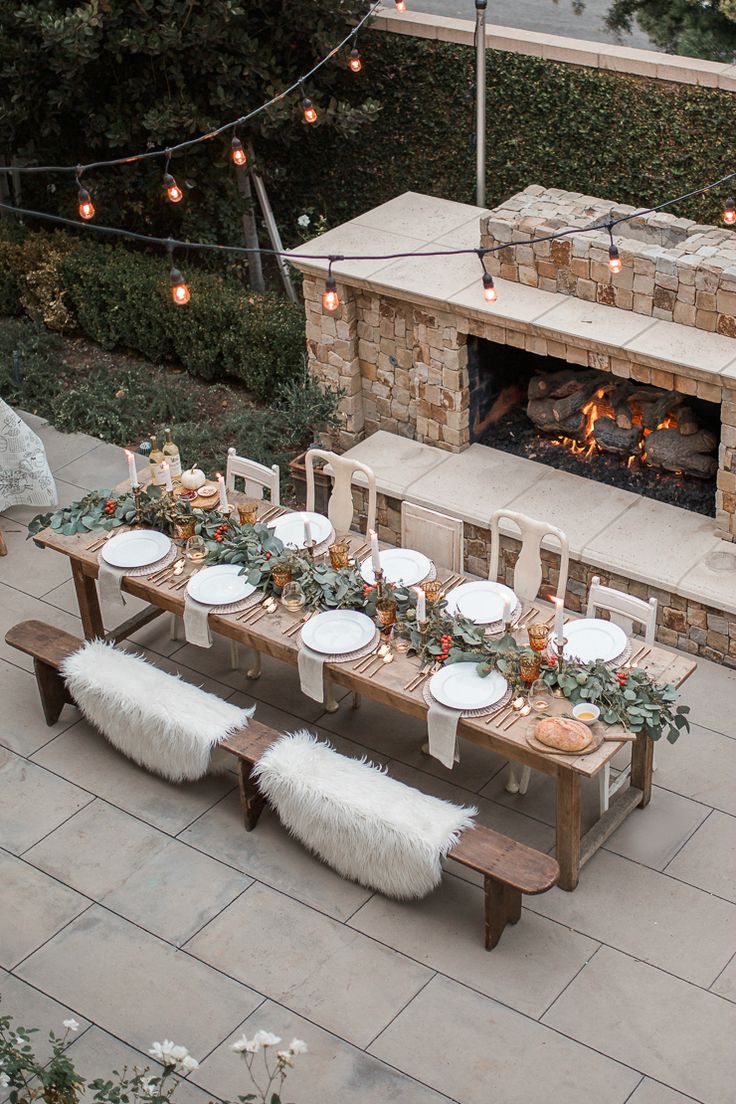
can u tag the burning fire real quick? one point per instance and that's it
(597, 408)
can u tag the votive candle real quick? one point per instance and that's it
(421, 604)
(223, 492)
(375, 554)
(165, 468)
(132, 473)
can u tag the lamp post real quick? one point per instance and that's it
(480, 102)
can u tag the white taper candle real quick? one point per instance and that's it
(375, 554)
(223, 492)
(421, 604)
(132, 473)
(167, 476)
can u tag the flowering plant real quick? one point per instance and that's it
(27, 1078)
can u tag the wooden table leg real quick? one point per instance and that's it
(252, 801)
(568, 828)
(642, 763)
(89, 602)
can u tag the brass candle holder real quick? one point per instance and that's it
(560, 643)
(380, 582)
(137, 494)
(423, 627)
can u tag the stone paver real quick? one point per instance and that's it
(144, 909)
(33, 1009)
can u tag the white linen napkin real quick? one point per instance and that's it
(311, 673)
(196, 623)
(109, 582)
(442, 727)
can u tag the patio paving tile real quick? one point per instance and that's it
(708, 859)
(34, 802)
(539, 800)
(167, 888)
(22, 725)
(670, 1030)
(63, 448)
(274, 857)
(104, 466)
(706, 691)
(33, 907)
(701, 765)
(653, 1092)
(64, 597)
(332, 1071)
(97, 1053)
(725, 985)
(30, 1008)
(652, 836)
(84, 756)
(66, 493)
(311, 963)
(657, 923)
(475, 1050)
(136, 986)
(16, 606)
(533, 962)
(30, 569)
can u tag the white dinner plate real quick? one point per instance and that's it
(591, 639)
(290, 528)
(338, 632)
(138, 548)
(459, 686)
(400, 565)
(219, 585)
(480, 601)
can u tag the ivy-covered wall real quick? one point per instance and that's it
(601, 133)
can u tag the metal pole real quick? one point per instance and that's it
(271, 227)
(480, 102)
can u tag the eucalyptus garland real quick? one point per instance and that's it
(628, 697)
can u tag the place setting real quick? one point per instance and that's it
(335, 636)
(303, 530)
(457, 691)
(221, 589)
(484, 602)
(137, 552)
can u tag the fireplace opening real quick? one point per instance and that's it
(641, 438)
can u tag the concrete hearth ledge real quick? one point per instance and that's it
(615, 530)
(415, 222)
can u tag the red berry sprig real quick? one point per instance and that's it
(109, 507)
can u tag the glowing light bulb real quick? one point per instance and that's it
(400, 5)
(237, 152)
(354, 61)
(489, 288)
(179, 290)
(330, 298)
(86, 207)
(310, 113)
(729, 211)
(173, 191)
(614, 259)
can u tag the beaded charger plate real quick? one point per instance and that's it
(467, 714)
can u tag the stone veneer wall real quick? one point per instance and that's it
(681, 623)
(404, 369)
(673, 268)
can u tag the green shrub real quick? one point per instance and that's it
(39, 362)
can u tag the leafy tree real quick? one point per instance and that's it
(696, 28)
(85, 80)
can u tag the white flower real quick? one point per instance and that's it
(304, 221)
(285, 1057)
(245, 1044)
(162, 1052)
(298, 1046)
(72, 1025)
(4, 1080)
(20, 1041)
(179, 1053)
(188, 1063)
(266, 1039)
(149, 1086)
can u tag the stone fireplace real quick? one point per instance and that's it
(399, 345)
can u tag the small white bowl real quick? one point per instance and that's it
(586, 712)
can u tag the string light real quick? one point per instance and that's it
(173, 191)
(237, 152)
(729, 211)
(489, 288)
(614, 258)
(354, 61)
(310, 112)
(86, 207)
(400, 5)
(330, 298)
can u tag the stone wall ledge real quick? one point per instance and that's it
(574, 51)
(664, 548)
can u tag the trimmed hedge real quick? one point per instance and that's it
(122, 300)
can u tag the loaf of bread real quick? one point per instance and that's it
(563, 734)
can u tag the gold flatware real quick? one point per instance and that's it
(268, 605)
(417, 677)
(449, 584)
(268, 514)
(500, 715)
(98, 542)
(527, 617)
(366, 661)
(292, 630)
(379, 662)
(643, 656)
(259, 617)
(523, 712)
(175, 568)
(183, 582)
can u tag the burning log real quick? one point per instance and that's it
(561, 413)
(612, 437)
(669, 449)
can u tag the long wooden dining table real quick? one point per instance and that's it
(387, 686)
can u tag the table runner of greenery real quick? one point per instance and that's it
(627, 696)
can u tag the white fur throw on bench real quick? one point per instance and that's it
(161, 722)
(365, 825)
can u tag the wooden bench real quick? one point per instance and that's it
(509, 869)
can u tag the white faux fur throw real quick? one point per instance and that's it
(365, 825)
(158, 720)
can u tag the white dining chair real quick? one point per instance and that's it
(438, 536)
(340, 506)
(527, 581)
(256, 477)
(626, 611)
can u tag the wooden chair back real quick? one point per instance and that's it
(340, 506)
(528, 570)
(438, 536)
(624, 609)
(256, 477)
